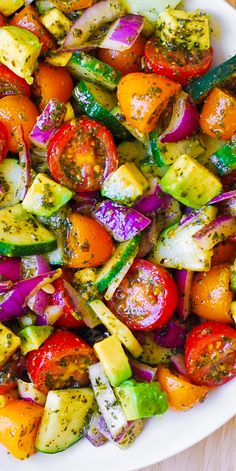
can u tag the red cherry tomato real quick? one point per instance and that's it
(3, 141)
(177, 65)
(61, 298)
(62, 358)
(82, 154)
(146, 298)
(210, 354)
(2, 20)
(125, 61)
(12, 84)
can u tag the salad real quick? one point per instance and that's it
(117, 219)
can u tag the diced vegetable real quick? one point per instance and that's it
(150, 9)
(215, 231)
(173, 335)
(49, 120)
(30, 393)
(141, 371)
(224, 158)
(184, 281)
(33, 336)
(152, 353)
(56, 23)
(9, 342)
(93, 433)
(24, 161)
(123, 33)
(10, 7)
(166, 154)
(126, 437)
(10, 268)
(113, 359)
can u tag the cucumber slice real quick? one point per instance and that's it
(224, 158)
(98, 103)
(43, 6)
(119, 258)
(86, 67)
(166, 154)
(140, 136)
(199, 88)
(65, 415)
(21, 234)
(10, 181)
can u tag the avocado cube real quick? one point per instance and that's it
(45, 196)
(125, 185)
(33, 336)
(19, 51)
(9, 342)
(140, 400)
(190, 182)
(59, 59)
(183, 28)
(7, 7)
(56, 23)
(113, 359)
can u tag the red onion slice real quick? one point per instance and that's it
(126, 437)
(25, 162)
(179, 363)
(29, 392)
(10, 268)
(141, 371)
(184, 122)
(223, 197)
(49, 120)
(184, 282)
(173, 335)
(93, 433)
(123, 33)
(215, 232)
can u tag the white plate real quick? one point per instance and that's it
(174, 432)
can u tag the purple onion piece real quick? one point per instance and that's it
(173, 335)
(93, 17)
(81, 307)
(93, 433)
(123, 33)
(49, 120)
(25, 162)
(184, 122)
(122, 222)
(189, 218)
(184, 281)
(38, 265)
(171, 215)
(215, 232)
(223, 197)
(14, 301)
(10, 268)
(141, 371)
(178, 361)
(155, 199)
(29, 392)
(228, 207)
(5, 286)
(127, 437)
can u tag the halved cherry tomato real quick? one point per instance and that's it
(63, 358)
(72, 5)
(3, 141)
(211, 295)
(17, 111)
(62, 299)
(143, 97)
(210, 354)
(10, 371)
(11, 84)
(177, 65)
(28, 18)
(51, 82)
(224, 252)
(146, 298)
(89, 244)
(2, 20)
(125, 61)
(82, 154)
(218, 116)
(181, 394)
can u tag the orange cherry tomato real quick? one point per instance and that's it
(218, 117)
(224, 252)
(72, 5)
(2, 20)
(142, 98)
(210, 294)
(51, 82)
(181, 394)
(89, 244)
(19, 422)
(125, 61)
(17, 111)
(28, 18)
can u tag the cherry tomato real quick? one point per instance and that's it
(62, 358)
(211, 295)
(210, 354)
(2, 20)
(51, 82)
(11, 84)
(17, 111)
(72, 5)
(3, 142)
(181, 394)
(89, 244)
(218, 116)
(62, 299)
(28, 18)
(146, 298)
(177, 65)
(125, 61)
(82, 154)
(10, 372)
(224, 252)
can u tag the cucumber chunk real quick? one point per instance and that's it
(10, 181)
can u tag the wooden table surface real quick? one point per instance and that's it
(216, 453)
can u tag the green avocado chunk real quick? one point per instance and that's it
(33, 336)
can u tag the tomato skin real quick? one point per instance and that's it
(10, 372)
(3, 142)
(210, 354)
(73, 5)
(2, 20)
(28, 18)
(51, 82)
(218, 116)
(125, 61)
(12, 84)
(74, 142)
(146, 298)
(63, 356)
(61, 298)
(176, 65)
(17, 111)
(224, 252)
(89, 244)
(211, 296)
